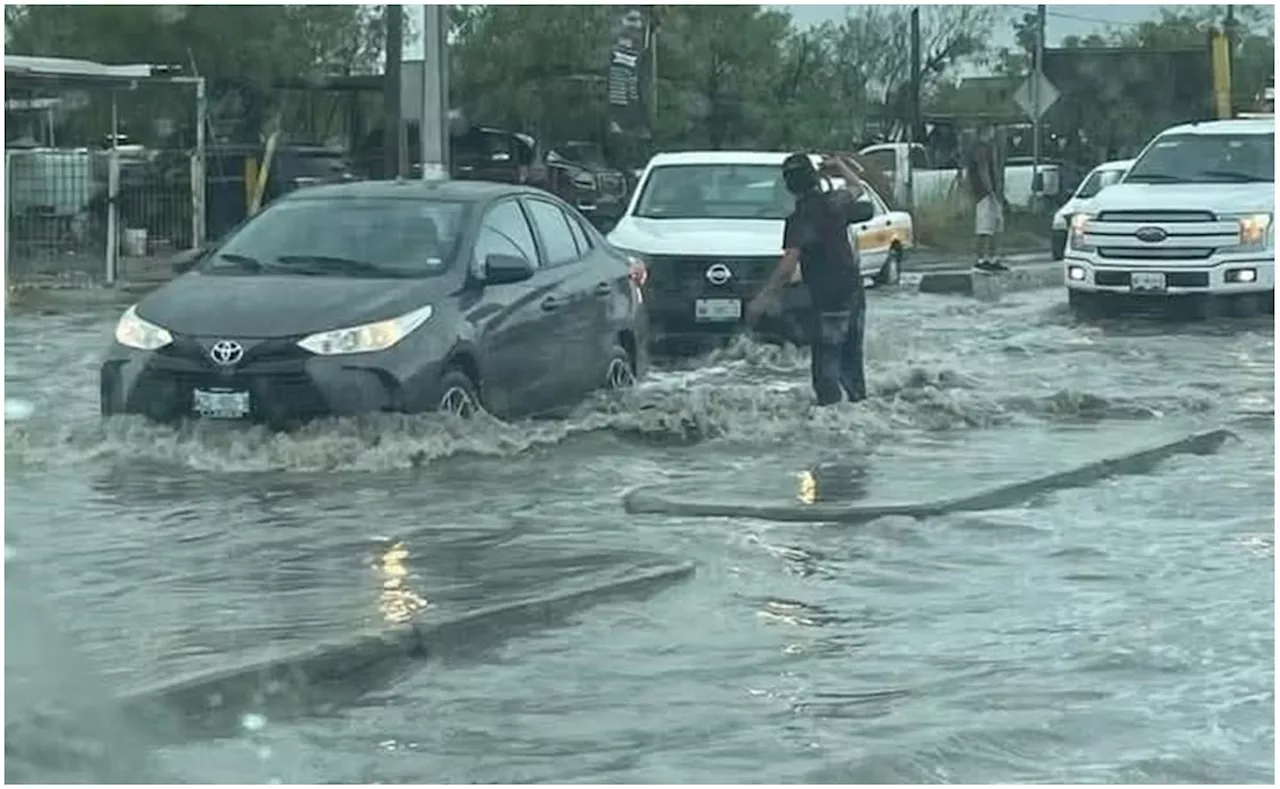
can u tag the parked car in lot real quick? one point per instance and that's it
(1099, 178)
(386, 296)
(708, 228)
(1192, 219)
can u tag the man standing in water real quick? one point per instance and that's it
(816, 238)
(983, 179)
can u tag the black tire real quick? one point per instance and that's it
(456, 389)
(620, 372)
(1058, 244)
(1268, 302)
(1087, 306)
(890, 274)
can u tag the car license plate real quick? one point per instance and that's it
(718, 310)
(1146, 281)
(220, 403)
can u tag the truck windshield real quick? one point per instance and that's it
(715, 191)
(1207, 158)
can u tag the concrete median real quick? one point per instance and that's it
(655, 500)
(964, 281)
(326, 675)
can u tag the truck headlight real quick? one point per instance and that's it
(1080, 226)
(134, 331)
(1255, 230)
(368, 337)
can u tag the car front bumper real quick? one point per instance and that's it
(1212, 277)
(169, 385)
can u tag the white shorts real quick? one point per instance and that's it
(989, 217)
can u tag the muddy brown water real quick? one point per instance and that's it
(1121, 632)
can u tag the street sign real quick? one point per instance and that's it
(1026, 98)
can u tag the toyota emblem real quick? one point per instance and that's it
(226, 352)
(718, 274)
(1151, 235)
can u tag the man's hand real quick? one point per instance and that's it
(765, 302)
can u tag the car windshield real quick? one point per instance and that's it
(346, 237)
(1097, 181)
(1207, 158)
(715, 191)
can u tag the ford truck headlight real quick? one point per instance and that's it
(134, 331)
(1080, 226)
(368, 337)
(1255, 230)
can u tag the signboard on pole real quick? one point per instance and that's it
(630, 37)
(1027, 97)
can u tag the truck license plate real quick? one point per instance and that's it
(220, 403)
(1146, 281)
(718, 310)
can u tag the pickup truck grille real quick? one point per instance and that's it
(1156, 217)
(1147, 253)
(680, 274)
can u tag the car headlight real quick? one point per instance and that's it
(134, 331)
(1080, 226)
(1255, 230)
(367, 338)
(584, 180)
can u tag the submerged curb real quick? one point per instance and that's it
(649, 500)
(309, 677)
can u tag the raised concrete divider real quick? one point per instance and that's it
(325, 675)
(965, 281)
(653, 499)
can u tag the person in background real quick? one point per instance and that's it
(816, 238)
(983, 180)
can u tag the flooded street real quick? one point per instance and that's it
(1121, 632)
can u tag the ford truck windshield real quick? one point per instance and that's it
(1206, 158)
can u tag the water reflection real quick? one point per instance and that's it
(397, 602)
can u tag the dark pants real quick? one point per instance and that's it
(837, 355)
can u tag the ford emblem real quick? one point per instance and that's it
(1151, 235)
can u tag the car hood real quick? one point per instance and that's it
(730, 237)
(261, 306)
(1223, 198)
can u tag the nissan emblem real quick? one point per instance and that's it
(718, 274)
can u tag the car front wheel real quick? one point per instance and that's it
(458, 395)
(621, 371)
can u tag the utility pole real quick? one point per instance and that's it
(915, 104)
(653, 71)
(1229, 27)
(392, 163)
(434, 123)
(1037, 188)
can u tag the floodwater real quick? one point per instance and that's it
(1121, 632)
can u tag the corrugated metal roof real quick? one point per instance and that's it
(18, 65)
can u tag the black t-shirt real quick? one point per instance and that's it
(819, 228)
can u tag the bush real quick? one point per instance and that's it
(946, 224)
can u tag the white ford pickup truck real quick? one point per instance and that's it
(1192, 218)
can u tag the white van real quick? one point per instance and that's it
(1193, 216)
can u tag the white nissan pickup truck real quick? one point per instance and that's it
(1191, 219)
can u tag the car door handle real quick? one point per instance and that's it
(604, 289)
(550, 304)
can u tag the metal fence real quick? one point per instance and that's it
(103, 170)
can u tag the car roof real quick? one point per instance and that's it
(773, 158)
(410, 188)
(1233, 126)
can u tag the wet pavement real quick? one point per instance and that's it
(1121, 632)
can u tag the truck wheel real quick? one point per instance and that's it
(1058, 244)
(1086, 306)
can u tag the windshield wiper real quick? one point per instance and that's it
(242, 260)
(1163, 177)
(1234, 175)
(321, 265)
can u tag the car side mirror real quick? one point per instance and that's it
(502, 269)
(187, 259)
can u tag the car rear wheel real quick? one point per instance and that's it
(458, 395)
(891, 272)
(621, 372)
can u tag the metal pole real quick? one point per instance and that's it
(198, 168)
(653, 71)
(435, 95)
(113, 194)
(1037, 188)
(915, 105)
(392, 166)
